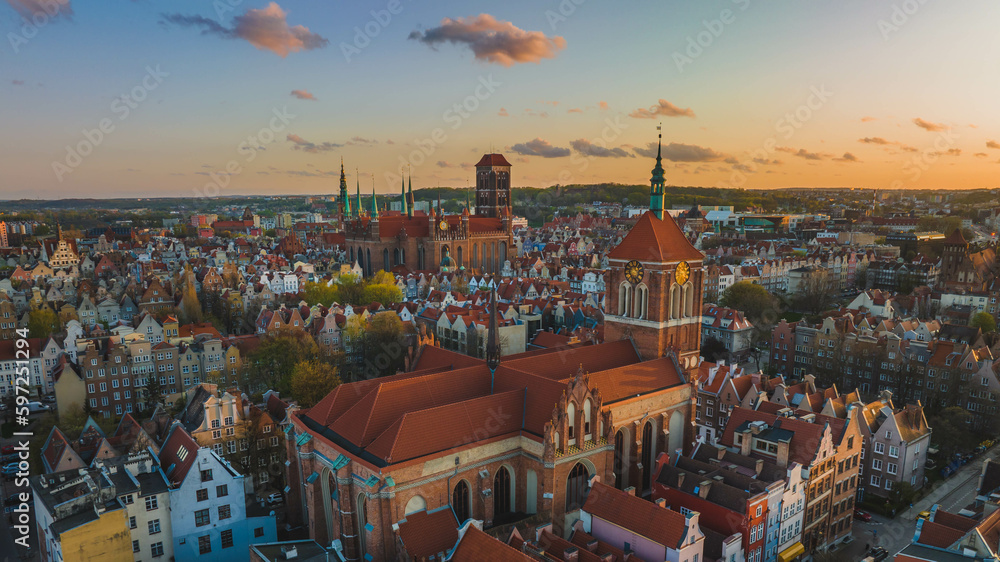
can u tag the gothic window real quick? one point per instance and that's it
(648, 450)
(460, 501)
(501, 493)
(624, 299)
(576, 487)
(642, 301)
(570, 424)
(675, 302)
(619, 466)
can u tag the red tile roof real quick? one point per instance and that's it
(645, 518)
(170, 457)
(652, 239)
(477, 546)
(425, 534)
(492, 160)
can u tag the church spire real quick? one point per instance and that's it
(656, 183)
(357, 178)
(345, 199)
(374, 216)
(493, 337)
(402, 196)
(409, 196)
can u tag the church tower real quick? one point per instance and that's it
(492, 185)
(344, 200)
(654, 285)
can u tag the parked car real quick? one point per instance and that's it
(49, 399)
(862, 516)
(924, 515)
(37, 408)
(979, 450)
(275, 498)
(878, 554)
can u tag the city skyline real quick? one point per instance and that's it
(231, 97)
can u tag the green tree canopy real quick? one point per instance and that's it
(271, 365)
(984, 321)
(312, 380)
(752, 300)
(43, 322)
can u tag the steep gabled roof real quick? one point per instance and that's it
(655, 240)
(645, 518)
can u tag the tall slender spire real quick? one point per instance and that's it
(409, 196)
(374, 216)
(656, 183)
(402, 196)
(345, 199)
(493, 337)
(357, 178)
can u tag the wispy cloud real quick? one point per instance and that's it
(680, 152)
(929, 126)
(28, 9)
(993, 144)
(503, 112)
(492, 40)
(17, 82)
(802, 153)
(867, 118)
(302, 144)
(540, 147)
(887, 143)
(303, 95)
(266, 28)
(663, 108)
(587, 148)
(847, 157)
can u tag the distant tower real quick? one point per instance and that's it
(657, 191)
(409, 198)
(357, 178)
(492, 185)
(344, 202)
(374, 214)
(403, 198)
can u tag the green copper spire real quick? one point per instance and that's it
(402, 197)
(357, 178)
(345, 199)
(374, 216)
(656, 183)
(409, 197)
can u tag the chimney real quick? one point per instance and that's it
(703, 488)
(571, 554)
(630, 490)
(661, 503)
(592, 545)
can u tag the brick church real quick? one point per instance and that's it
(410, 240)
(503, 439)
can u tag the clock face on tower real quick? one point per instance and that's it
(682, 273)
(443, 225)
(634, 272)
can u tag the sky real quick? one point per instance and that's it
(117, 98)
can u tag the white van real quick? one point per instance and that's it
(37, 408)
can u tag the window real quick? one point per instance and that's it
(876, 481)
(135, 546)
(154, 526)
(224, 512)
(157, 549)
(222, 491)
(879, 448)
(876, 464)
(894, 451)
(206, 475)
(151, 503)
(227, 538)
(258, 532)
(204, 544)
(202, 494)
(202, 518)
(131, 522)
(891, 468)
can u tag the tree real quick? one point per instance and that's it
(984, 321)
(952, 431)
(42, 322)
(752, 300)
(190, 307)
(318, 292)
(816, 291)
(312, 380)
(382, 293)
(270, 366)
(385, 346)
(152, 391)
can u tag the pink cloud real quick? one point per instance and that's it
(662, 108)
(491, 40)
(303, 95)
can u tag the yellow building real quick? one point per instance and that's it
(80, 518)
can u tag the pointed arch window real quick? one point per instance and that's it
(642, 301)
(460, 501)
(624, 299)
(576, 487)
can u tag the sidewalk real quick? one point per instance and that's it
(968, 473)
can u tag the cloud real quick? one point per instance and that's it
(540, 147)
(847, 157)
(361, 140)
(28, 9)
(663, 108)
(603, 105)
(679, 152)
(303, 95)
(980, 155)
(264, 28)
(992, 144)
(874, 140)
(503, 112)
(928, 125)
(803, 153)
(17, 82)
(574, 110)
(306, 146)
(867, 118)
(587, 148)
(881, 141)
(499, 42)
